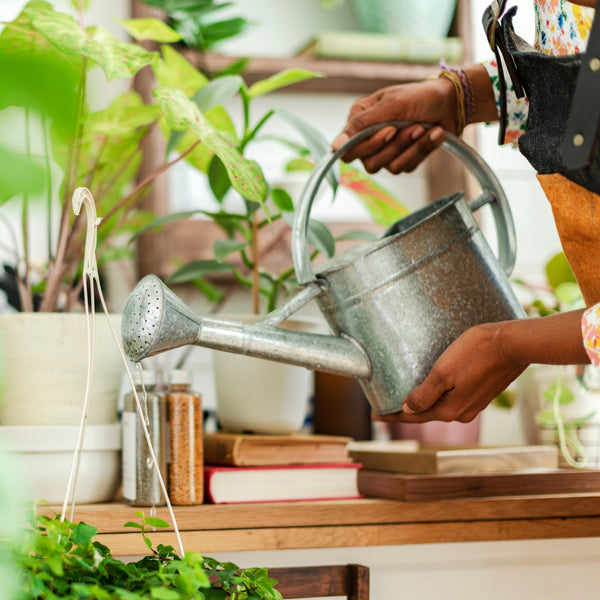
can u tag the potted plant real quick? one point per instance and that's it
(60, 559)
(99, 149)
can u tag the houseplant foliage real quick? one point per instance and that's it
(59, 559)
(98, 149)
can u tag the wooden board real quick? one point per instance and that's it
(402, 457)
(400, 486)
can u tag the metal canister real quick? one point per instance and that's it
(141, 483)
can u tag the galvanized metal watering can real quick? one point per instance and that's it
(393, 305)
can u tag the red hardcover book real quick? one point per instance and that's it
(228, 485)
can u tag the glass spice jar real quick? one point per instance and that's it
(184, 415)
(141, 485)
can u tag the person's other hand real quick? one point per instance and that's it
(468, 375)
(428, 102)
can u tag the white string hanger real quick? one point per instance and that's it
(83, 197)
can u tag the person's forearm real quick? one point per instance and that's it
(484, 105)
(554, 340)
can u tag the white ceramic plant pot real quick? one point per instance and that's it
(43, 455)
(262, 396)
(45, 365)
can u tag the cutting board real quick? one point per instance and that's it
(401, 486)
(406, 456)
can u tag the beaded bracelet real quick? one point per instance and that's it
(467, 88)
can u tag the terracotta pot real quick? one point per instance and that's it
(45, 368)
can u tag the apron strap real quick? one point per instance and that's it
(495, 36)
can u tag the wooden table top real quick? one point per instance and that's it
(345, 523)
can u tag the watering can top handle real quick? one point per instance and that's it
(492, 193)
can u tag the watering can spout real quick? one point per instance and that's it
(156, 320)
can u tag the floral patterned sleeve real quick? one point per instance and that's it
(590, 328)
(517, 109)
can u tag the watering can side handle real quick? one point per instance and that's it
(493, 194)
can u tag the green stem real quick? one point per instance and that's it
(249, 136)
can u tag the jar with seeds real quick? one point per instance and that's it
(184, 415)
(141, 483)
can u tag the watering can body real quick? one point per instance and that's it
(393, 305)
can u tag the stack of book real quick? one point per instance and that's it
(250, 467)
(405, 470)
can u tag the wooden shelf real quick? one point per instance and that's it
(351, 523)
(339, 76)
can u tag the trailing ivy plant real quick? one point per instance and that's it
(60, 559)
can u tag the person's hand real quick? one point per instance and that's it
(484, 360)
(471, 372)
(429, 102)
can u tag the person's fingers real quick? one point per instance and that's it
(370, 146)
(424, 396)
(414, 155)
(397, 145)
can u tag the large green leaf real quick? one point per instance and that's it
(151, 29)
(181, 113)
(280, 80)
(315, 141)
(125, 114)
(217, 91)
(117, 59)
(19, 174)
(173, 70)
(223, 248)
(384, 208)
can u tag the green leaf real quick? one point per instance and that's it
(164, 594)
(223, 248)
(246, 176)
(217, 91)
(320, 238)
(155, 522)
(565, 395)
(173, 70)
(80, 5)
(316, 142)
(160, 222)
(151, 29)
(569, 294)
(559, 271)
(198, 269)
(20, 174)
(218, 178)
(117, 59)
(132, 524)
(279, 80)
(505, 399)
(283, 201)
(124, 115)
(83, 533)
(357, 234)
(299, 164)
(384, 208)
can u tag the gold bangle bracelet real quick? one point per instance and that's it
(461, 115)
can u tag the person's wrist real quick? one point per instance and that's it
(445, 97)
